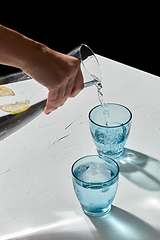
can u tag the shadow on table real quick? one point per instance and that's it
(121, 225)
(140, 169)
(118, 224)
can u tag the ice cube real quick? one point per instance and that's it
(98, 178)
(107, 174)
(100, 136)
(103, 169)
(85, 172)
(94, 172)
(92, 165)
(90, 172)
(81, 169)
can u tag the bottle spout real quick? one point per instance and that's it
(91, 83)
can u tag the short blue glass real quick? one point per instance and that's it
(110, 139)
(95, 181)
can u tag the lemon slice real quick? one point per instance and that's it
(6, 92)
(15, 108)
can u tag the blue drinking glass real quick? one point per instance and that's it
(111, 138)
(95, 181)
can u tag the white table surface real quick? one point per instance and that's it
(37, 201)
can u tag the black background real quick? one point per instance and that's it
(125, 36)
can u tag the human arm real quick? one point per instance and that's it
(60, 73)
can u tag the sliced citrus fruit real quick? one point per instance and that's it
(15, 108)
(6, 92)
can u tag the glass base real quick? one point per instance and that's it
(97, 214)
(116, 155)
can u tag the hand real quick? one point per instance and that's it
(60, 73)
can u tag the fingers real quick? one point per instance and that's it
(52, 96)
(58, 97)
(66, 92)
(78, 85)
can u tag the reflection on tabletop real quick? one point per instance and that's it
(117, 225)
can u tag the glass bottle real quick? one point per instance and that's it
(11, 123)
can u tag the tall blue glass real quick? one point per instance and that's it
(110, 139)
(95, 181)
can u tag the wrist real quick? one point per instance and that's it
(31, 54)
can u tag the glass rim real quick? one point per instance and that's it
(97, 183)
(122, 124)
(80, 52)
